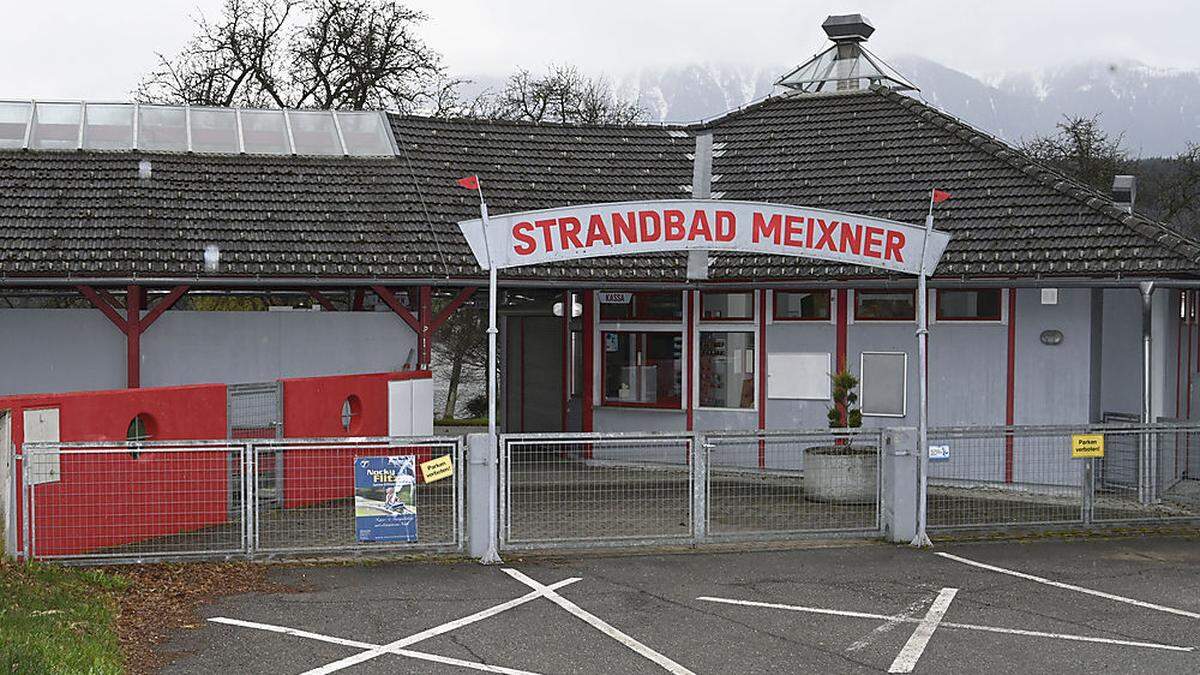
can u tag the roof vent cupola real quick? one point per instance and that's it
(846, 65)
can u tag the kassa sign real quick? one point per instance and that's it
(557, 235)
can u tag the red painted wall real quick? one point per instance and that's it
(111, 499)
(312, 408)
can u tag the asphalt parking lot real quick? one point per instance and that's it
(1124, 605)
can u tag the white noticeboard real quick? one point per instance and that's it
(803, 376)
(41, 426)
(410, 407)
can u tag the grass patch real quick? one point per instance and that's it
(58, 620)
(467, 422)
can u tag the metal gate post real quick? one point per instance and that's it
(26, 506)
(699, 473)
(1089, 490)
(249, 498)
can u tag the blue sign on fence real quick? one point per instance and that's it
(385, 493)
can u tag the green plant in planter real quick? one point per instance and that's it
(843, 414)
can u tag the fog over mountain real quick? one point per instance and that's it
(1158, 110)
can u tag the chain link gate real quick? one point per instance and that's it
(255, 411)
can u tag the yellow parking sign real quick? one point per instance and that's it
(1085, 446)
(437, 469)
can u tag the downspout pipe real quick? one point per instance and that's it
(1146, 463)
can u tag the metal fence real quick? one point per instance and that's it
(200, 499)
(1026, 476)
(668, 488)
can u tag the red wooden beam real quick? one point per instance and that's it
(391, 301)
(133, 337)
(443, 316)
(325, 302)
(105, 307)
(163, 305)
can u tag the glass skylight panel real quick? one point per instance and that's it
(365, 134)
(264, 132)
(214, 130)
(314, 133)
(14, 118)
(162, 128)
(108, 126)
(56, 126)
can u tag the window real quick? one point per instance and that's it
(884, 384)
(14, 118)
(726, 369)
(642, 368)
(162, 128)
(263, 132)
(872, 305)
(802, 305)
(642, 306)
(351, 414)
(214, 130)
(727, 306)
(108, 127)
(972, 305)
(314, 133)
(56, 126)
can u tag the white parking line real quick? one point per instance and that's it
(487, 668)
(438, 630)
(1070, 587)
(948, 624)
(907, 659)
(888, 626)
(600, 624)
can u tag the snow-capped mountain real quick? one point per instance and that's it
(1157, 110)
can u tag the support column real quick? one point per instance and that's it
(133, 337)
(1147, 464)
(589, 360)
(425, 336)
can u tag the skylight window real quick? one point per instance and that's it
(53, 125)
(14, 119)
(56, 126)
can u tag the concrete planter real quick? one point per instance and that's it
(840, 474)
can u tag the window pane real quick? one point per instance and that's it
(162, 128)
(726, 370)
(56, 126)
(884, 376)
(802, 305)
(643, 368)
(264, 132)
(314, 133)
(646, 306)
(982, 305)
(214, 130)
(727, 305)
(108, 127)
(14, 117)
(365, 134)
(885, 305)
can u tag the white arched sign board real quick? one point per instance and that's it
(619, 228)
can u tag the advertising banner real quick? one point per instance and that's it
(556, 235)
(385, 493)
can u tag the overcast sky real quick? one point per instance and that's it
(97, 49)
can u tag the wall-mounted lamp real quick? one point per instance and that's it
(1052, 337)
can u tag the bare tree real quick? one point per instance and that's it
(1081, 149)
(1179, 196)
(348, 54)
(461, 344)
(562, 94)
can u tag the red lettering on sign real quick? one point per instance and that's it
(828, 232)
(793, 230)
(725, 226)
(764, 229)
(851, 238)
(651, 225)
(624, 227)
(546, 224)
(700, 228)
(895, 242)
(872, 242)
(527, 244)
(568, 229)
(597, 231)
(674, 224)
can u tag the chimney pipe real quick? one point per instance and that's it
(1124, 192)
(847, 31)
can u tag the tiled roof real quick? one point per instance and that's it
(873, 152)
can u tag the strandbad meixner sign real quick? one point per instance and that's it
(618, 228)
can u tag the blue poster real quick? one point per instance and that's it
(385, 492)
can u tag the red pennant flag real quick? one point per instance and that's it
(940, 196)
(469, 182)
